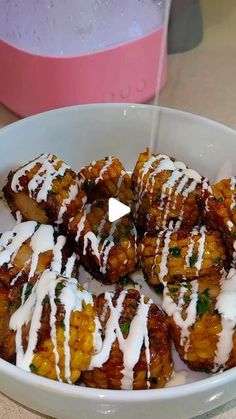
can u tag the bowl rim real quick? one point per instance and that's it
(97, 394)
(118, 105)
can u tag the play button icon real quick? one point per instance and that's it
(116, 209)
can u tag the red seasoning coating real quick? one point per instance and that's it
(138, 356)
(107, 250)
(45, 190)
(166, 191)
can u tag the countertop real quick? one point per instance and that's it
(201, 81)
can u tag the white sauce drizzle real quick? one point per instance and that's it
(194, 232)
(106, 252)
(120, 181)
(175, 310)
(190, 189)
(91, 238)
(14, 280)
(108, 163)
(178, 170)
(106, 248)
(201, 246)
(41, 241)
(101, 254)
(53, 331)
(132, 345)
(102, 224)
(225, 342)
(31, 312)
(156, 252)
(73, 192)
(165, 164)
(112, 326)
(18, 217)
(97, 338)
(230, 225)
(181, 185)
(23, 295)
(42, 179)
(56, 264)
(70, 264)
(164, 256)
(176, 175)
(11, 241)
(81, 223)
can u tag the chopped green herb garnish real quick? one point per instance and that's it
(116, 241)
(192, 260)
(33, 368)
(126, 280)
(187, 298)
(129, 229)
(158, 195)
(51, 193)
(103, 238)
(89, 185)
(217, 261)
(187, 285)
(62, 324)
(154, 380)
(234, 235)
(220, 199)
(28, 290)
(57, 300)
(204, 302)
(173, 289)
(122, 229)
(158, 288)
(46, 300)
(125, 327)
(175, 251)
(60, 286)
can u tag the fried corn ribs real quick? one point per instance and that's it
(58, 342)
(108, 250)
(220, 210)
(199, 321)
(138, 356)
(166, 190)
(27, 251)
(45, 190)
(104, 179)
(4, 316)
(175, 255)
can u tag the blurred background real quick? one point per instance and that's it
(202, 80)
(200, 75)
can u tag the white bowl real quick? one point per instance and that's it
(82, 134)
